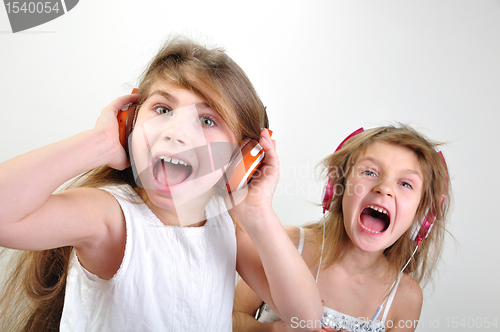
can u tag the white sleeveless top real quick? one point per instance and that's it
(332, 318)
(171, 278)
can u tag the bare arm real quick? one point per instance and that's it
(267, 260)
(33, 218)
(246, 303)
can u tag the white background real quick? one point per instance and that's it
(323, 68)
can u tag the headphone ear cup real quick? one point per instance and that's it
(244, 165)
(126, 121)
(422, 231)
(131, 116)
(328, 190)
(327, 194)
(122, 124)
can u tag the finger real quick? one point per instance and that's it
(265, 140)
(264, 134)
(266, 145)
(269, 146)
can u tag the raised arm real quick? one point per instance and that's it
(31, 216)
(267, 260)
(247, 302)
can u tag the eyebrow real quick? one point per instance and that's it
(412, 171)
(368, 158)
(405, 171)
(172, 98)
(162, 93)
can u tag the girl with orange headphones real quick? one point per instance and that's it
(387, 188)
(109, 254)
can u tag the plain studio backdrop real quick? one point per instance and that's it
(323, 69)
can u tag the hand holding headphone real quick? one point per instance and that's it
(241, 169)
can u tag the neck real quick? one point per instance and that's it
(191, 214)
(358, 262)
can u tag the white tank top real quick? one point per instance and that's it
(171, 278)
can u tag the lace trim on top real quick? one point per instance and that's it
(340, 321)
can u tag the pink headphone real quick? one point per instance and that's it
(417, 233)
(329, 188)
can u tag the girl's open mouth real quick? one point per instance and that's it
(171, 171)
(374, 219)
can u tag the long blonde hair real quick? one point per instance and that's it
(435, 199)
(32, 299)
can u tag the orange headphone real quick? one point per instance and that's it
(241, 167)
(126, 121)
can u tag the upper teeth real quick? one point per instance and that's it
(379, 209)
(173, 160)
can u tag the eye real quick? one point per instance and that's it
(207, 121)
(369, 172)
(162, 109)
(406, 185)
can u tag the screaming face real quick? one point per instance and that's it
(381, 196)
(180, 149)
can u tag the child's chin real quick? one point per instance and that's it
(180, 199)
(161, 202)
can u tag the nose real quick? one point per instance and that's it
(384, 188)
(173, 136)
(180, 127)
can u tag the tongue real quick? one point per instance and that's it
(171, 174)
(373, 223)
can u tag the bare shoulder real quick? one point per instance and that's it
(410, 291)
(103, 255)
(408, 300)
(294, 234)
(96, 204)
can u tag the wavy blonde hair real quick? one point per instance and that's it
(33, 296)
(435, 199)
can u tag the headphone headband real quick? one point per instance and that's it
(328, 191)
